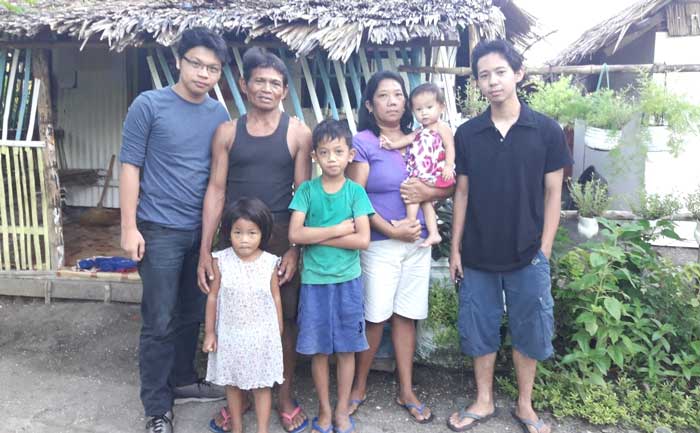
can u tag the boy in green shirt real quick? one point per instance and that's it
(330, 218)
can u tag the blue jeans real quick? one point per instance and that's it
(529, 304)
(172, 308)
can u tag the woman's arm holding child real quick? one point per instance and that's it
(302, 235)
(209, 344)
(448, 141)
(354, 241)
(275, 289)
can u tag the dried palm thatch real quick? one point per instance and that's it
(636, 19)
(336, 26)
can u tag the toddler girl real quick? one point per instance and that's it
(243, 323)
(430, 156)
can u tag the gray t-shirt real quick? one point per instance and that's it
(170, 139)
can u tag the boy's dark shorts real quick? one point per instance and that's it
(289, 292)
(331, 318)
(529, 303)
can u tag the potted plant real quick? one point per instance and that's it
(606, 113)
(654, 207)
(591, 199)
(561, 100)
(692, 202)
(667, 117)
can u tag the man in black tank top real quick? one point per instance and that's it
(264, 154)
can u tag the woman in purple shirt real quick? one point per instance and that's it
(395, 269)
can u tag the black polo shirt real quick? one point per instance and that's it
(505, 210)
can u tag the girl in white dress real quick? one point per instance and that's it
(243, 324)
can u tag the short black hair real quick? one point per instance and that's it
(258, 58)
(252, 209)
(366, 119)
(328, 130)
(203, 37)
(428, 88)
(500, 46)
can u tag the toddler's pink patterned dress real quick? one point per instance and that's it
(425, 158)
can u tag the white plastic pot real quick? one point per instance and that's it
(601, 139)
(587, 227)
(659, 137)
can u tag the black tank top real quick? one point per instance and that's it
(261, 167)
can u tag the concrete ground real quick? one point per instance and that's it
(72, 367)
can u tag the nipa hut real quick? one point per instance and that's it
(69, 70)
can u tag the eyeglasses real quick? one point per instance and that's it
(212, 69)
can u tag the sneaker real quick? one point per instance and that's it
(160, 423)
(200, 391)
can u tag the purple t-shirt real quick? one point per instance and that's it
(387, 171)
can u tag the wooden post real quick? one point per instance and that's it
(53, 219)
(568, 69)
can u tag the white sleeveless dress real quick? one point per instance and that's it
(249, 346)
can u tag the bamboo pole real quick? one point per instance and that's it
(342, 85)
(312, 89)
(568, 69)
(51, 198)
(8, 156)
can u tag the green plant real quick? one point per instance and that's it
(692, 202)
(656, 206)
(659, 107)
(561, 99)
(591, 198)
(442, 313)
(470, 101)
(17, 6)
(607, 109)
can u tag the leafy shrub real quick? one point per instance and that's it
(656, 206)
(692, 202)
(560, 99)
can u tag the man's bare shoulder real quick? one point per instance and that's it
(298, 126)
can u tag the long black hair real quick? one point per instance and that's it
(366, 119)
(252, 209)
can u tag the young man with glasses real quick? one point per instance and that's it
(165, 156)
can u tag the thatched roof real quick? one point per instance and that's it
(636, 19)
(337, 26)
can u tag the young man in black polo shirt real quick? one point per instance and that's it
(510, 165)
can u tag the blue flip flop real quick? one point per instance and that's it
(318, 428)
(419, 409)
(349, 430)
(358, 403)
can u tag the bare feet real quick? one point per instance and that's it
(457, 422)
(431, 240)
(357, 399)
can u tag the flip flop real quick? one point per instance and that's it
(349, 430)
(358, 403)
(478, 419)
(227, 421)
(227, 418)
(419, 409)
(526, 423)
(289, 417)
(319, 429)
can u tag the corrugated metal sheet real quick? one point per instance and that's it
(92, 103)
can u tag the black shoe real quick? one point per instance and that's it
(160, 423)
(200, 391)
